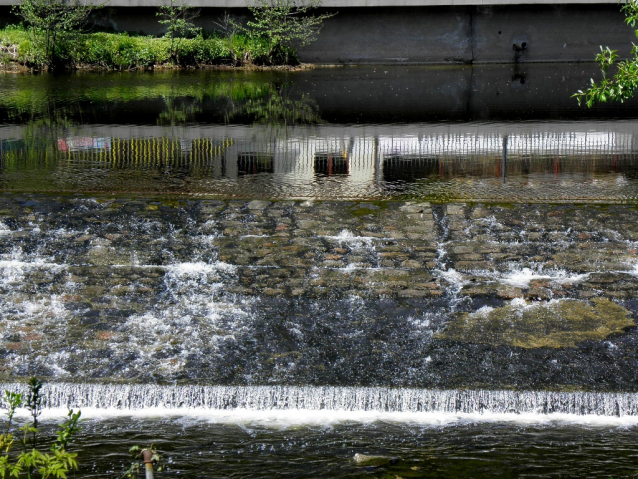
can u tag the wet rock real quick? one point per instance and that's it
(374, 461)
(554, 324)
(509, 292)
(257, 205)
(455, 209)
(414, 293)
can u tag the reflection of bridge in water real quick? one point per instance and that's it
(357, 156)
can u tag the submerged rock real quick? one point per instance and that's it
(374, 461)
(552, 324)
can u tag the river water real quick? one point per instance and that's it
(268, 273)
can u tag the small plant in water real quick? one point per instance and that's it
(32, 462)
(139, 456)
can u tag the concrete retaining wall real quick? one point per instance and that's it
(470, 34)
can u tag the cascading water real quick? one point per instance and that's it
(132, 399)
(257, 293)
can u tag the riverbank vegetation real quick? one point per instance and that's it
(120, 51)
(31, 461)
(51, 37)
(24, 453)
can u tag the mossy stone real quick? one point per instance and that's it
(552, 324)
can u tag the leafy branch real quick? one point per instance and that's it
(178, 18)
(50, 23)
(622, 85)
(56, 463)
(286, 24)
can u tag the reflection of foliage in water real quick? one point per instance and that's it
(178, 110)
(38, 147)
(263, 104)
(278, 108)
(231, 97)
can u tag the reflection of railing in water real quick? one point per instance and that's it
(469, 145)
(250, 163)
(331, 164)
(156, 152)
(390, 157)
(83, 144)
(121, 153)
(467, 155)
(410, 168)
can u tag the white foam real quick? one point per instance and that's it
(350, 239)
(278, 419)
(483, 312)
(523, 277)
(519, 303)
(199, 268)
(634, 270)
(453, 277)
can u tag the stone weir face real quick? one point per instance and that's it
(357, 294)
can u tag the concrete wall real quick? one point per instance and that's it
(470, 34)
(432, 34)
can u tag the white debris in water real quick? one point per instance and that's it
(349, 268)
(345, 235)
(423, 322)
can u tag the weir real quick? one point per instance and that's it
(141, 398)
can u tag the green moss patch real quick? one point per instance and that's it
(553, 324)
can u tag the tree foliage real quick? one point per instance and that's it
(178, 18)
(621, 85)
(50, 23)
(286, 24)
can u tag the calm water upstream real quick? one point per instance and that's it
(267, 273)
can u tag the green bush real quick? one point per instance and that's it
(201, 51)
(31, 460)
(120, 51)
